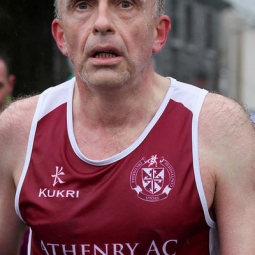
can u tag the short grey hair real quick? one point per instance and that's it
(57, 13)
(159, 8)
(158, 12)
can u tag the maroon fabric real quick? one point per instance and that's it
(145, 203)
(23, 247)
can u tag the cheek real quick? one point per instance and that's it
(76, 36)
(75, 46)
(143, 44)
(72, 41)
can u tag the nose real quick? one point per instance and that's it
(103, 23)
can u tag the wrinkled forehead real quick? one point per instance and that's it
(3, 70)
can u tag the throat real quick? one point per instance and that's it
(102, 144)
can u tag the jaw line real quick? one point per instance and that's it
(82, 78)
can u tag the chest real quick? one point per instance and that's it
(142, 198)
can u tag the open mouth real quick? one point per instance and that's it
(108, 54)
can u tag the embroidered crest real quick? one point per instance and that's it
(152, 179)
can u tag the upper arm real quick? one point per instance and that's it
(15, 122)
(11, 228)
(228, 139)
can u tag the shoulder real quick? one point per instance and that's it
(18, 115)
(226, 134)
(223, 116)
(15, 122)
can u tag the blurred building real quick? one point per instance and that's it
(192, 50)
(237, 62)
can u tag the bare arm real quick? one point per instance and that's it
(11, 229)
(227, 146)
(14, 128)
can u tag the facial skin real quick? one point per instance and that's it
(7, 82)
(4, 83)
(109, 42)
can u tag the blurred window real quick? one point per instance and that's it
(174, 18)
(189, 23)
(209, 31)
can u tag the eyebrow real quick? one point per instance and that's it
(70, 3)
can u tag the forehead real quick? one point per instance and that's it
(3, 69)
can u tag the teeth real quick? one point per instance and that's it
(105, 55)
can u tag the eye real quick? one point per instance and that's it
(82, 6)
(125, 4)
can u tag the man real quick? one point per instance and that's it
(7, 80)
(120, 160)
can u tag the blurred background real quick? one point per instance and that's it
(211, 45)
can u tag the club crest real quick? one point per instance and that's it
(152, 179)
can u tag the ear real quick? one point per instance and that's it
(163, 26)
(59, 36)
(12, 81)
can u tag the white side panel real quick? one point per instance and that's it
(28, 155)
(196, 112)
(48, 101)
(29, 242)
(56, 96)
(192, 98)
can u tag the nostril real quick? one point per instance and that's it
(103, 31)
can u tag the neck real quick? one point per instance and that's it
(120, 107)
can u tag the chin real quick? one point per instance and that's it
(106, 80)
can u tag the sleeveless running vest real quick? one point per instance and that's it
(146, 200)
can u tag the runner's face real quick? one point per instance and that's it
(3, 83)
(110, 42)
